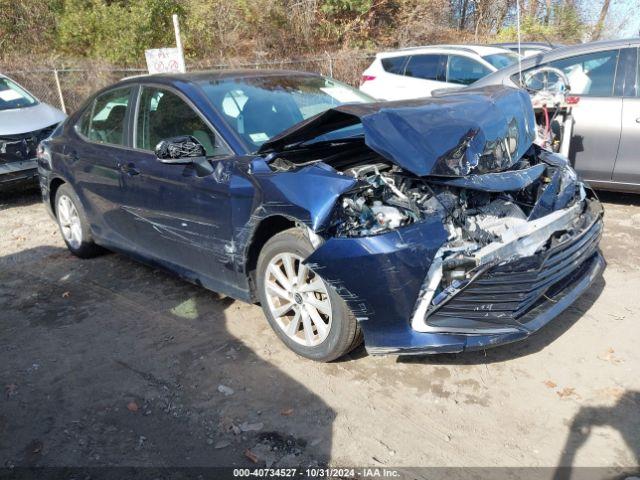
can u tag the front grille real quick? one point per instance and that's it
(15, 148)
(504, 294)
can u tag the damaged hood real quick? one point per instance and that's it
(16, 121)
(455, 134)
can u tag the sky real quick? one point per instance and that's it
(623, 21)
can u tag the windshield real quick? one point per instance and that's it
(13, 96)
(501, 60)
(260, 108)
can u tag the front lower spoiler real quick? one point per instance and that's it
(410, 342)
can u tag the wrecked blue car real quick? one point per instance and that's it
(420, 227)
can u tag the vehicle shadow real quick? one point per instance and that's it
(107, 362)
(15, 197)
(624, 417)
(535, 343)
(619, 198)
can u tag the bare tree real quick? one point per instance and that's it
(597, 30)
(547, 12)
(463, 14)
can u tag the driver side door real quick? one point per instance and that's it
(180, 218)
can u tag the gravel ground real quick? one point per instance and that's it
(109, 362)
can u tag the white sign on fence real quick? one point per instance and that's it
(164, 60)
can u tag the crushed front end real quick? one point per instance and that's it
(430, 267)
(481, 245)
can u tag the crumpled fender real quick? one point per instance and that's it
(380, 276)
(308, 194)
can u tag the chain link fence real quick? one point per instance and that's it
(67, 88)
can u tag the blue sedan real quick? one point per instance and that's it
(423, 226)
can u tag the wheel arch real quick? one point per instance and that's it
(266, 229)
(54, 185)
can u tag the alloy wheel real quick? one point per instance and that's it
(69, 221)
(298, 300)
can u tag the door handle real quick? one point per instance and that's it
(128, 168)
(638, 120)
(73, 156)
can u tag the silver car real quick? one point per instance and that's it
(24, 121)
(603, 84)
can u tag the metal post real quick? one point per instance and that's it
(62, 105)
(176, 29)
(330, 63)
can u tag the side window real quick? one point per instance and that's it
(589, 74)
(427, 67)
(163, 114)
(625, 82)
(464, 70)
(394, 65)
(104, 121)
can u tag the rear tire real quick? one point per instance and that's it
(304, 311)
(73, 223)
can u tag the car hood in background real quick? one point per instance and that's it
(474, 131)
(29, 119)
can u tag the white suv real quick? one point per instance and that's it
(416, 72)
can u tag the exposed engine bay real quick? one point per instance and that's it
(388, 198)
(486, 228)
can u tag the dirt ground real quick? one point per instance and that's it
(109, 362)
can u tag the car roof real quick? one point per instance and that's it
(557, 54)
(480, 50)
(204, 75)
(539, 45)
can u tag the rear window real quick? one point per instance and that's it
(104, 120)
(394, 65)
(427, 67)
(502, 60)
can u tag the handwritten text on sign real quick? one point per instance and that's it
(163, 60)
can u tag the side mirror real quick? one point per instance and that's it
(184, 150)
(179, 150)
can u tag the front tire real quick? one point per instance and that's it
(304, 311)
(73, 223)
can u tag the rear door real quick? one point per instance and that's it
(95, 156)
(424, 73)
(627, 166)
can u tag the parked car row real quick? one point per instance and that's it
(601, 78)
(416, 72)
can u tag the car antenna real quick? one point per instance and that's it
(519, 50)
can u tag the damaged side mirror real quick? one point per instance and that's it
(184, 150)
